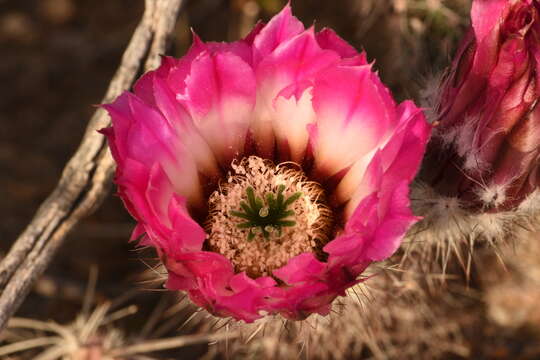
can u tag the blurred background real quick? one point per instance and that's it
(57, 57)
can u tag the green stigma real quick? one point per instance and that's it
(266, 218)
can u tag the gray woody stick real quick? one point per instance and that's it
(86, 179)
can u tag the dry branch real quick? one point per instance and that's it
(87, 176)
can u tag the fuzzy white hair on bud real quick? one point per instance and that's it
(430, 94)
(447, 138)
(493, 195)
(464, 136)
(473, 164)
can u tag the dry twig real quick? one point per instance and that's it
(87, 176)
(93, 331)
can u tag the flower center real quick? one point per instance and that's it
(263, 215)
(266, 218)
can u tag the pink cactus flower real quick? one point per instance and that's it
(488, 117)
(269, 172)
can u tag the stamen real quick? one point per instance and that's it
(263, 215)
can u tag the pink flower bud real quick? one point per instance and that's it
(486, 143)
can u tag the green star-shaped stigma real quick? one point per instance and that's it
(269, 217)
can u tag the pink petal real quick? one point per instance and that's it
(355, 115)
(250, 38)
(294, 61)
(486, 15)
(412, 128)
(281, 28)
(133, 181)
(152, 139)
(221, 106)
(158, 195)
(328, 39)
(137, 233)
(187, 235)
(239, 48)
(288, 71)
(347, 249)
(121, 119)
(179, 73)
(241, 282)
(202, 266)
(393, 227)
(400, 158)
(303, 267)
(244, 305)
(188, 135)
(361, 180)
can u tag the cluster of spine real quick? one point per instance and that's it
(373, 321)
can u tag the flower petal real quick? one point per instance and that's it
(288, 71)
(355, 115)
(282, 27)
(186, 235)
(303, 267)
(393, 225)
(485, 15)
(328, 39)
(220, 105)
(187, 133)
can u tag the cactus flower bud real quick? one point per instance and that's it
(488, 116)
(482, 164)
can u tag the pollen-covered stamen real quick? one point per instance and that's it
(263, 215)
(269, 217)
